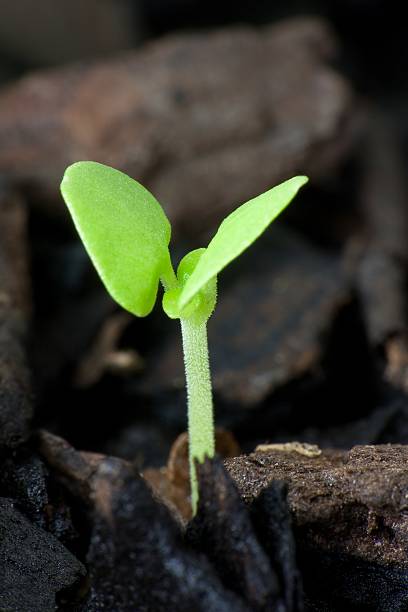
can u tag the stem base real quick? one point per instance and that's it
(199, 396)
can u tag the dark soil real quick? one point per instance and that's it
(305, 508)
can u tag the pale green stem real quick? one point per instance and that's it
(199, 396)
(168, 277)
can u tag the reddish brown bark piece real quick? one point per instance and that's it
(172, 483)
(381, 274)
(384, 186)
(15, 400)
(349, 502)
(206, 121)
(75, 469)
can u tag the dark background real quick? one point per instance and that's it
(372, 33)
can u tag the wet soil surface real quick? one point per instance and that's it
(305, 507)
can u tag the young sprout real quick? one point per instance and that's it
(126, 234)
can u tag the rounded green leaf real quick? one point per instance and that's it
(124, 230)
(237, 232)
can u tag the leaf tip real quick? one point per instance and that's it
(69, 171)
(300, 180)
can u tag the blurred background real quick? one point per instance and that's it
(209, 104)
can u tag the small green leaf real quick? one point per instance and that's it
(201, 306)
(124, 230)
(237, 232)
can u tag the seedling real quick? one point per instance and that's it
(127, 234)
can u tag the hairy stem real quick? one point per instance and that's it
(168, 277)
(199, 396)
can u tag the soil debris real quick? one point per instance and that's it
(105, 356)
(303, 448)
(35, 567)
(349, 510)
(15, 306)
